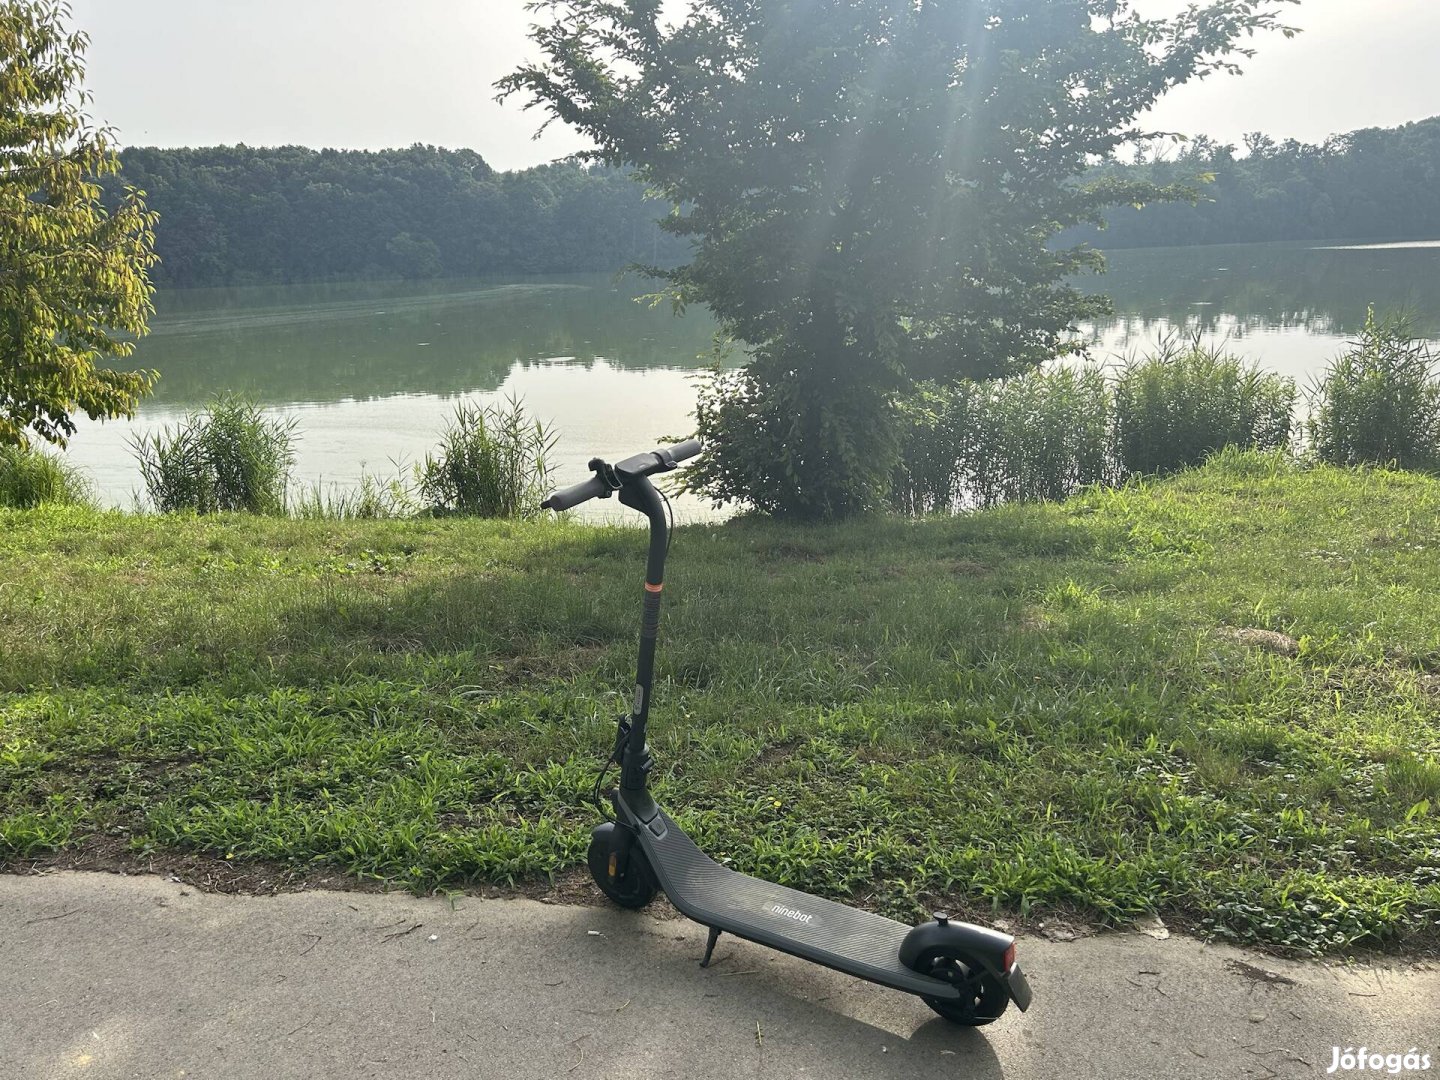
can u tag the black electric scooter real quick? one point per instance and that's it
(966, 973)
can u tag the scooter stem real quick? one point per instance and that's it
(639, 493)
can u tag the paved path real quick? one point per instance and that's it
(106, 976)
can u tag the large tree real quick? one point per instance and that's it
(73, 286)
(871, 188)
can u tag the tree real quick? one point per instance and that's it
(73, 285)
(870, 188)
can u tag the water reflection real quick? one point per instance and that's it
(309, 343)
(1238, 289)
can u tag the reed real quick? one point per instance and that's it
(31, 478)
(493, 461)
(228, 457)
(1378, 403)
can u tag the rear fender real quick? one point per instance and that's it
(987, 946)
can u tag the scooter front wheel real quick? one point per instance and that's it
(983, 997)
(635, 885)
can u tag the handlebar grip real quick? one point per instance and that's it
(576, 494)
(687, 449)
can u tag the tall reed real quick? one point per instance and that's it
(1179, 405)
(30, 477)
(228, 457)
(373, 500)
(1051, 432)
(1041, 435)
(1379, 401)
(493, 461)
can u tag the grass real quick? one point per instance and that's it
(30, 477)
(1029, 709)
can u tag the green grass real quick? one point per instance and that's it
(31, 477)
(1028, 709)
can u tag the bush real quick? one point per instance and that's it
(1175, 408)
(1379, 401)
(31, 478)
(493, 461)
(229, 457)
(934, 423)
(1051, 432)
(1042, 435)
(784, 443)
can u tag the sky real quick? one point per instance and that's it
(368, 74)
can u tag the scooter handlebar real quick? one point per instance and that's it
(687, 449)
(575, 494)
(607, 478)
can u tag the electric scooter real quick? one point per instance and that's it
(966, 973)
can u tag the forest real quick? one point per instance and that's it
(246, 215)
(238, 215)
(1370, 184)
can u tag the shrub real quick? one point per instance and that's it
(934, 423)
(1175, 408)
(776, 445)
(229, 457)
(1041, 435)
(493, 461)
(1379, 401)
(31, 478)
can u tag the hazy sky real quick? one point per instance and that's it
(376, 73)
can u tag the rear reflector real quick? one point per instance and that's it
(1009, 961)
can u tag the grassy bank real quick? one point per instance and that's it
(1036, 708)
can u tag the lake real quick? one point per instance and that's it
(371, 371)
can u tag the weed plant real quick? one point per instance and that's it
(228, 457)
(1378, 402)
(494, 461)
(31, 478)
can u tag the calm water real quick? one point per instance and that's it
(371, 371)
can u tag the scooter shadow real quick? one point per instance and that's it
(773, 1014)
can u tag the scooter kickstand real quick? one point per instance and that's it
(710, 946)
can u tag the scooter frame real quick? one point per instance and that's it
(834, 935)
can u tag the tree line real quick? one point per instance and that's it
(235, 215)
(1375, 183)
(245, 215)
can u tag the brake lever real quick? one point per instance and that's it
(606, 473)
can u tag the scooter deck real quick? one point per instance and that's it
(844, 938)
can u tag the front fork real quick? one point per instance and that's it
(623, 838)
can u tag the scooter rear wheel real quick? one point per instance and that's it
(983, 997)
(636, 885)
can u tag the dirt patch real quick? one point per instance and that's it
(967, 568)
(776, 752)
(527, 668)
(790, 551)
(1268, 640)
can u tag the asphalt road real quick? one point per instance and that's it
(107, 976)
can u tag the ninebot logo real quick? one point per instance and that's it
(790, 913)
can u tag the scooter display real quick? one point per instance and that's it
(966, 973)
